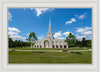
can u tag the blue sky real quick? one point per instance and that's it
(22, 21)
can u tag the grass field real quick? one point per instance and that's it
(49, 48)
(20, 57)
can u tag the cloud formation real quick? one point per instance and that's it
(84, 31)
(58, 34)
(13, 32)
(66, 33)
(13, 29)
(17, 37)
(61, 38)
(9, 16)
(71, 21)
(40, 37)
(80, 37)
(40, 11)
(82, 16)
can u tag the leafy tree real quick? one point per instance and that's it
(17, 43)
(84, 43)
(32, 37)
(78, 43)
(10, 42)
(89, 43)
(71, 39)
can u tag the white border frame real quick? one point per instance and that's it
(50, 66)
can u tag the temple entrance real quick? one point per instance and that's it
(46, 44)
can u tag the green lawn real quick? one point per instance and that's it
(19, 57)
(49, 48)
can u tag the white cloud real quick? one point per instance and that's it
(76, 35)
(27, 34)
(13, 29)
(62, 38)
(13, 32)
(40, 11)
(87, 33)
(89, 36)
(82, 16)
(71, 21)
(66, 33)
(9, 16)
(58, 34)
(31, 8)
(84, 31)
(40, 38)
(17, 37)
(80, 37)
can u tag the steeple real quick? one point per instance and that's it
(49, 24)
(49, 34)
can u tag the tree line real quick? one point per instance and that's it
(17, 43)
(71, 41)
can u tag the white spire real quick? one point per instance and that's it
(49, 24)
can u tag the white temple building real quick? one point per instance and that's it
(50, 41)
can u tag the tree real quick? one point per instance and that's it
(71, 39)
(78, 43)
(10, 42)
(84, 43)
(32, 37)
(17, 43)
(89, 43)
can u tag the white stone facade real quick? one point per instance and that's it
(50, 42)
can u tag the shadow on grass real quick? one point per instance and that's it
(77, 52)
(37, 52)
